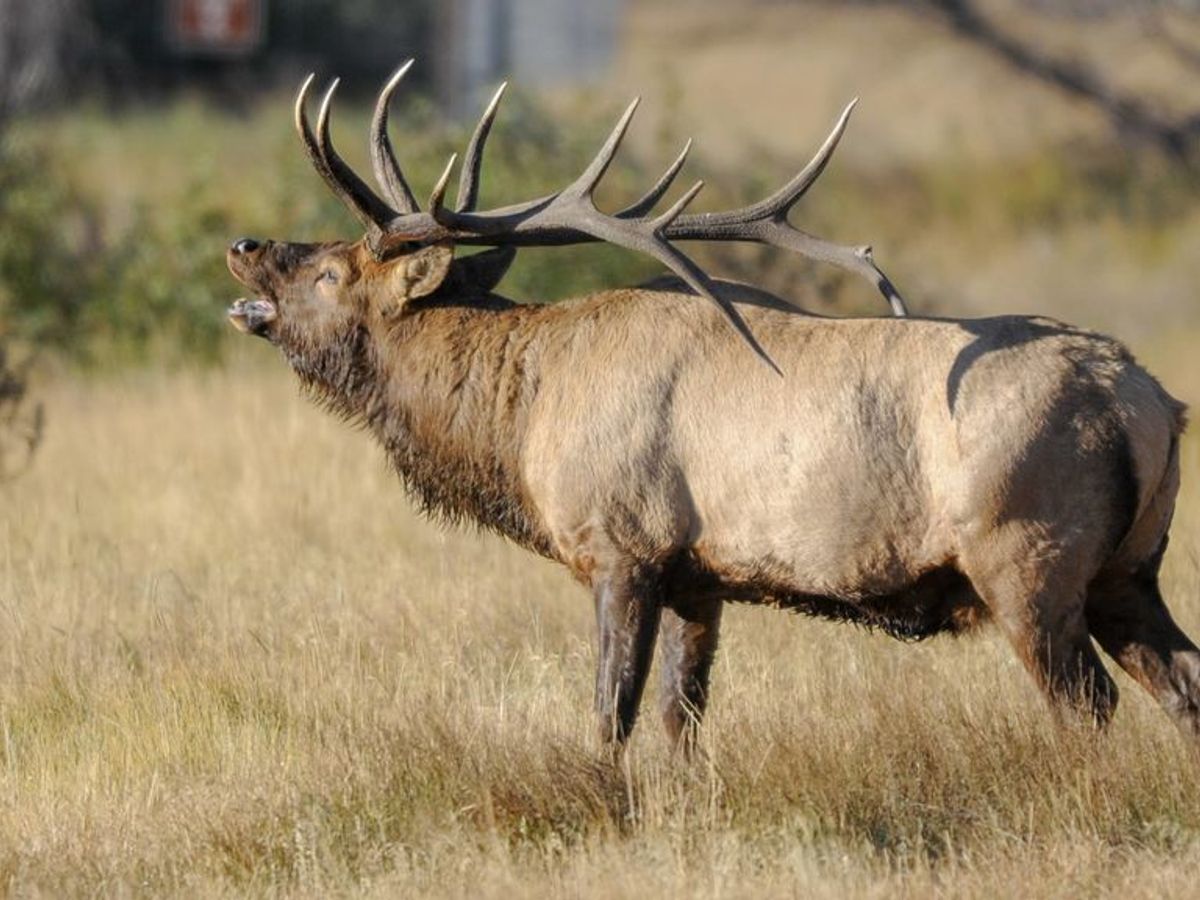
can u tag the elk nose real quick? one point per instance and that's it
(245, 245)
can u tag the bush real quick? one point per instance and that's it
(45, 267)
(73, 285)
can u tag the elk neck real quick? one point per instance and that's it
(447, 390)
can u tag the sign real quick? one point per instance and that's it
(216, 27)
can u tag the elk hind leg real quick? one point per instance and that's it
(1039, 605)
(1129, 619)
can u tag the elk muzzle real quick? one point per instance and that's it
(252, 316)
(255, 315)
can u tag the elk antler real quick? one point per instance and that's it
(570, 216)
(767, 222)
(383, 160)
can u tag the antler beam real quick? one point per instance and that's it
(570, 216)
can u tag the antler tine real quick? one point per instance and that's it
(647, 238)
(438, 195)
(468, 184)
(661, 223)
(787, 196)
(383, 158)
(310, 142)
(590, 177)
(648, 200)
(699, 282)
(365, 204)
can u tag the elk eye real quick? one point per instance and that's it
(328, 276)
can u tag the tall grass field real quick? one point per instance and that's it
(233, 660)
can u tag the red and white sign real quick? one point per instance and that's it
(224, 27)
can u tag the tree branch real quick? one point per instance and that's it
(1130, 115)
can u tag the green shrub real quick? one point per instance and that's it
(46, 270)
(70, 284)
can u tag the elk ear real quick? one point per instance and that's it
(423, 272)
(484, 270)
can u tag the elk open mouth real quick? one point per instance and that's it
(252, 316)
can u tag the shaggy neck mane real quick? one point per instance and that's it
(446, 390)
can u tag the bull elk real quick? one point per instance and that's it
(916, 475)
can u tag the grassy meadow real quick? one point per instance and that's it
(234, 661)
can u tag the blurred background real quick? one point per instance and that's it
(1007, 155)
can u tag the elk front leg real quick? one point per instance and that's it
(689, 643)
(628, 606)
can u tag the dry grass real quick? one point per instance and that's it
(235, 662)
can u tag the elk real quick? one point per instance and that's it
(915, 475)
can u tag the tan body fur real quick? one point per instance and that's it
(883, 452)
(915, 475)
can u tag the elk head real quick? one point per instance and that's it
(318, 291)
(309, 297)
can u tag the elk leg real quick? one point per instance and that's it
(1040, 608)
(628, 606)
(1131, 622)
(1057, 651)
(689, 642)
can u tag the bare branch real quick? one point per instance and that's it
(1177, 138)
